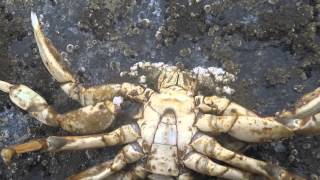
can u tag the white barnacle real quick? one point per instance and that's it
(216, 71)
(157, 64)
(134, 68)
(142, 79)
(200, 70)
(117, 100)
(133, 73)
(139, 64)
(228, 90)
(123, 73)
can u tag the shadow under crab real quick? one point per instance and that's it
(170, 123)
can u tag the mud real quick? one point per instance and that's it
(272, 46)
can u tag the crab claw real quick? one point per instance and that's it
(50, 55)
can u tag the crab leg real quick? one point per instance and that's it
(137, 172)
(245, 128)
(129, 154)
(221, 106)
(186, 176)
(210, 147)
(89, 119)
(68, 81)
(204, 165)
(122, 135)
(305, 117)
(307, 106)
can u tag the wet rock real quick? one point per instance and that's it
(277, 76)
(185, 52)
(272, 47)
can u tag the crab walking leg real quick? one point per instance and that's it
(137, 172)
(305, 117)
(68, 82)
(89, 119)
(28, 100)
(122, 135)
(221, 106)
(129, 154)
(305, 126)
(210, 147)
(204, 165)
(186, 176)
(307, 106)
(245, 128)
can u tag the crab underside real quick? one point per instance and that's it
(174, 130)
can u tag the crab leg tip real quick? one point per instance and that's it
(5, 87)
(7, 154)
(34, 20)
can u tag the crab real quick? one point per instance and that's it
(173, 133)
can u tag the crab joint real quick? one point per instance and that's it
(129, 154)
(204, 165)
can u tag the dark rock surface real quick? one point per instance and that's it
(272, 46)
